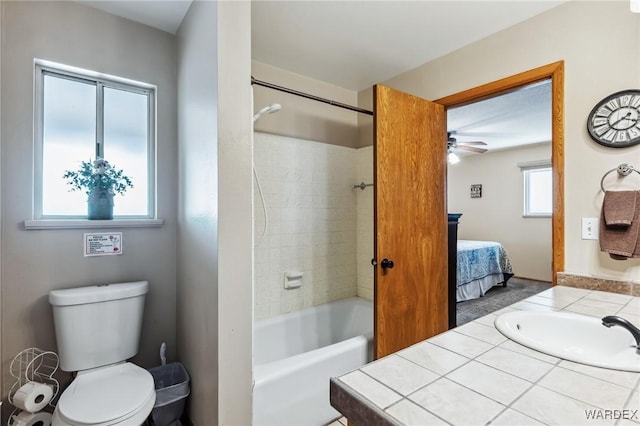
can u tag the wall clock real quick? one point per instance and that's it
(615, 120)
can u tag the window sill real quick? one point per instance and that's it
(91, 224)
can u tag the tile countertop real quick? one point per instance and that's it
(473, 375)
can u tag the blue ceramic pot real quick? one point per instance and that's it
(100, 204)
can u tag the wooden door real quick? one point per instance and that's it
(410, 218)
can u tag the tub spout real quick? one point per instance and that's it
(610, 321)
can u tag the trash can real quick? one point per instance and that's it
(172, 388)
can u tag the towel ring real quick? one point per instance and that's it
(624, 169)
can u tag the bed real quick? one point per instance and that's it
(480, 266)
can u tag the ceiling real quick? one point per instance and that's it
(165, 15)
(520, 117)
(352, 44)
(355, 44)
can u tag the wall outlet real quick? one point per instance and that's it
(590, 228)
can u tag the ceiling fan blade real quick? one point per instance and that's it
(477, 134)
(471, 148)
(471, 143)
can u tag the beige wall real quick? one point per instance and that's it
(235, 233)
(215, 293)
(497, 215)
(304, 118)
(571, 32)
(365, 122)
(35, 262)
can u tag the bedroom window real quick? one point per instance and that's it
(80, 116)
(538, 189)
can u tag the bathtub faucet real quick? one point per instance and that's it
(610, 321)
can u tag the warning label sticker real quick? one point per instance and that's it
(103, 244)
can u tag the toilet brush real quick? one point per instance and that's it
(163, 350)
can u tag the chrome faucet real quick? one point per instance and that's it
(610, 321)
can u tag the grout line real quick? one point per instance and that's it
(419, 407)
(595, 377)
(556, 359)
(435, 372)
(575, 398)
(533, 385)
(387, 386)
(628, 400)
(383, 384)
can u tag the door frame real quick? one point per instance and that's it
(554, 72)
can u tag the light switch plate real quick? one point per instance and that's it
(590, 228)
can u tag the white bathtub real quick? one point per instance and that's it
(295, 355)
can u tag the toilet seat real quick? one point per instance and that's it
(107, 396)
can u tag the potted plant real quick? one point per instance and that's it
(101, 182)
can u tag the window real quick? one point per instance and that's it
(538, 189)
(81, 116)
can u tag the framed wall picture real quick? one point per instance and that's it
(476, 191)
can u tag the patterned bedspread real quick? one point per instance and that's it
(479, 259)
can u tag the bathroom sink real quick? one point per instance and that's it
(573, 337)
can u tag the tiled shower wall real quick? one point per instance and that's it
(311, 226)
(364, 170)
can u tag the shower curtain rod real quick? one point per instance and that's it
(308, 96)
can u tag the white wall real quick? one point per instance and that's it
(36, 262)
(571, 32)
(215, 293)
(197, 301)
(311, 211)
(497, 215)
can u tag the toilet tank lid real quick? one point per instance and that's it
(97, 293)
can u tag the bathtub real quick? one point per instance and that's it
(295, 354)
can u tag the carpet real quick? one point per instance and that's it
(497, 298)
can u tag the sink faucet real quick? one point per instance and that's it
(610, 321)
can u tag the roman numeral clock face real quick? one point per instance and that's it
(615, 120)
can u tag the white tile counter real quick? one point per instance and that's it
(473, 375)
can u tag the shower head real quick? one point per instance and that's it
(267, 110)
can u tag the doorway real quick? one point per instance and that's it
(503, 148)
(555, 73)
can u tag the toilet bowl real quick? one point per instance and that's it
(97, 330)
(121, 394)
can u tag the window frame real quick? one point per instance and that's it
(526, 169)
(43, 68)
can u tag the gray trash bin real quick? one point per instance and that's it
(172, 388)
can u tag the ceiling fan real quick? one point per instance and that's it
(452, 143)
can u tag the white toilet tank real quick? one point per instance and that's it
(98, 325)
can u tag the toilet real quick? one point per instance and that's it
(97, 330)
